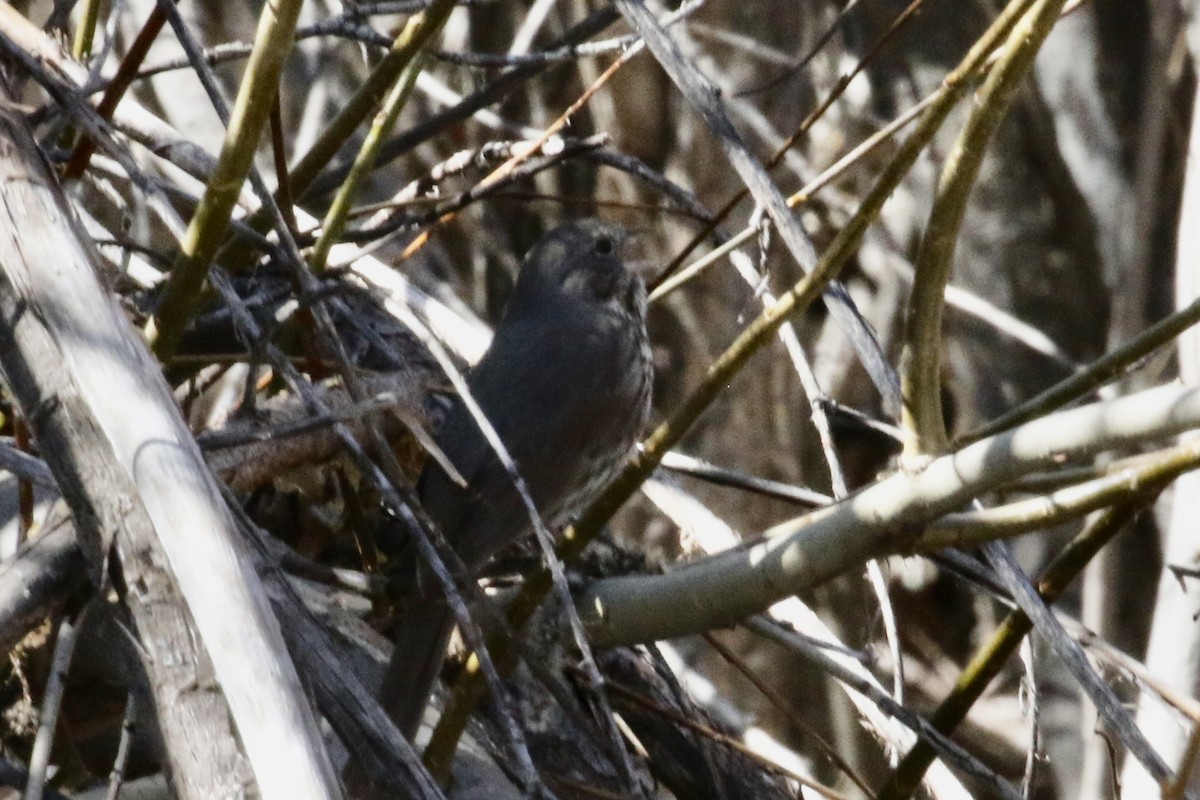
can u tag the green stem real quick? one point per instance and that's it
(251, 112)
(921, 360)
(81, 47)
(370, 95)
(366, 101)
(1104, 369)
(335, 219)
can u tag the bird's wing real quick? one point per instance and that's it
(544, 385)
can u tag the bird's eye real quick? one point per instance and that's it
(605, 246)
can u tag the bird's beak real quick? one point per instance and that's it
(636, 250)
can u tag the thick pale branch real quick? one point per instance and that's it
(133, 476)
(884, 518)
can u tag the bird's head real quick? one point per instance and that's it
(581, 262)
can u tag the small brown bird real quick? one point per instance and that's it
(566, 384)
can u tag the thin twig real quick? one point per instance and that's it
(128, 726)
(56, 683)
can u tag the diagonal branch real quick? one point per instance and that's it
(134, 478)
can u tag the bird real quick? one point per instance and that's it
(566, 384)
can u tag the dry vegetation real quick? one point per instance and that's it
(229, 303)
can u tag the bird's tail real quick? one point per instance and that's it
(420, 641)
